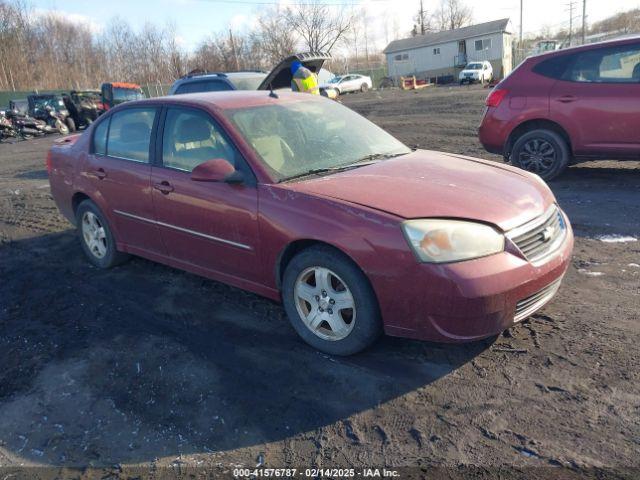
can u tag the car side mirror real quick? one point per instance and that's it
(217, 170)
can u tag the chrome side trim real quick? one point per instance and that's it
(185, 230)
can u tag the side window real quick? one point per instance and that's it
(606, 65)
(100, 138)
(130, 134)
(555, 67)
(203, 86)
(190, 138)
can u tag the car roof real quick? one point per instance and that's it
(228, 100)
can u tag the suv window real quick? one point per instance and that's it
(203, 86)
(100, 138)
(130, 134)
(554, 67)
(619, 64)
(190, 138)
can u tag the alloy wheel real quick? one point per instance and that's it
(94, 234)
(538, 156)
(325, 303)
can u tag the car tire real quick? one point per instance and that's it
(100, 248)
(364, 88)
(358, 327)
(71, 124)
(543, 152)
(61, 127)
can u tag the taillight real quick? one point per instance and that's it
(49, 164)
(495, 97)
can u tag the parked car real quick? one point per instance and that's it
(350, 83)
(567, 106)
(476, 72)
(278, 79)
(300, 199)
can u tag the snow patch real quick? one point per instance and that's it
(617, 238)
(590, 274)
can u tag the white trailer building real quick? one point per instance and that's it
(445, 53)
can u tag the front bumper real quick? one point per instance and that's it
(467, 301)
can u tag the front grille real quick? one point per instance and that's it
(526, 306)
(540, 237)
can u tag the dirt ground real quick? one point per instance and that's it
(149, 366)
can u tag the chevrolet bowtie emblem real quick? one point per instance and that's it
(547, 233)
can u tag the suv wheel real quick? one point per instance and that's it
(330, 302)
(96, 238)
(542, 152)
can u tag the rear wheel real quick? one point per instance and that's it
(330, 302)
(543, 152)
(96, 237)
(364, 88)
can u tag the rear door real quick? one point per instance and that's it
(212, 225)
(598, 101)
(119, 171)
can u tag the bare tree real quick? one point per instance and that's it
(453, 14)
(274, 35)
(318, 27)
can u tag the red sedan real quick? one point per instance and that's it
(300, 199)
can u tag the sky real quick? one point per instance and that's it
(195, 20)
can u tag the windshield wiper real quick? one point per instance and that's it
(361, 162)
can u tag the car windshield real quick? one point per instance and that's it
(474, 66)
(335, 80)
(295, 138)
(248, 82)
(121, 95)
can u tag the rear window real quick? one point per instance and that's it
(247, 82)
(203, 86)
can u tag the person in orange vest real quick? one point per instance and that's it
(304, 80)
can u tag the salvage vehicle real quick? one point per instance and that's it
(115, 93)
(279, 78)
(567, 106)
(51, 109)
(300, 199)
(84, 106)
(350, 83)
(27, 126)
(476, 72)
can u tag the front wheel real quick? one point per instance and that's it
(543, 152)
(330, 302)
(61, 127)
(96, 237)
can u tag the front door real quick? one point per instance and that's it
(212, 225)
(598, 100)
(119, 171)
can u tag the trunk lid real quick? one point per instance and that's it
(280, 76)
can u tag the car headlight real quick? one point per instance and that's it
(440, 241)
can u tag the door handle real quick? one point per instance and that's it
(164, 187)
(567, 99)
(100, 174)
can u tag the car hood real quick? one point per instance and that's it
(432, 184)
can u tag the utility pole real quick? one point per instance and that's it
(422, 28)
(521, 23)
(584, 20)
(571, 5)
